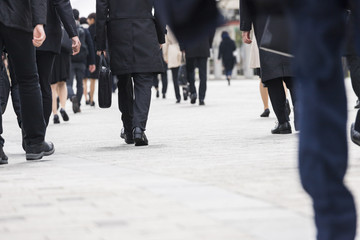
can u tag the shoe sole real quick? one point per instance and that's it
(34, 156)
(283, 132)
(39, 156)
(3, 162)
(129, 142)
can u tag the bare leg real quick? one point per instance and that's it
(92, 89)
(264, 96)
(62, 92)
(54, 97)
(286, 90)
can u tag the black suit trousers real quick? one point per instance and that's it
(22, 53)
(134, 92)
(278, 97)
(323, 152)
(45, 61)
(175, 73)
(201, 63)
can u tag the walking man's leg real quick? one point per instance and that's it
(190, 70)
(142, 91)
(45, 62)
(175, 72)
(202, 64)
(126, 100)
(323, 140)
(22, 53)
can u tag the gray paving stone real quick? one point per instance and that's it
(211, 173)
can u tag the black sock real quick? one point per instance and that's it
(357, 122)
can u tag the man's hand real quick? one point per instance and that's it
(76, 44)
(246, 37)
(39, 35)
(101, 52)
(92, 68)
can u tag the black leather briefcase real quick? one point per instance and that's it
(105, 83)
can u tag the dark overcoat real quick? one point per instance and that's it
(132, 35)
(226, 53)
(23, 14)
(58, 11)
(272, 65)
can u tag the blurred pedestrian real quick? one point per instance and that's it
(226, 53)
(89, 96)
(164, 80)
(19, 35)
(197, 56)
(254, 60)
(78, 64)
(172, 57)
(275, 69)
(135, 57)
(60, 75)
(59, 12)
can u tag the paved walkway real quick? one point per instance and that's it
(210, 173)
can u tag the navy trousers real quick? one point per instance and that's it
(323, 153)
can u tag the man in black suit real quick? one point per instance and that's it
(197, 55)
(134, 44)
(19, 35)
(58, 11)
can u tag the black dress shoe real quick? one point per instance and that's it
(193, 98)
(64, 115)
(37, 151)
(56, 119)
(128, 137)
(164, 95)
(140, 137)
(284, 128)
(185, 94)
(201, 103)
(287, 107)
(266, 113)
(355, 135)
(178, 101)
(157, 94)
(75, 104)
(357, 106)
(3, 157)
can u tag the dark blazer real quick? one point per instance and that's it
(272, 65)
(200, 48)
(91, 48)
(132, 35)
(190, 20)
(23, 14)
(58, 11)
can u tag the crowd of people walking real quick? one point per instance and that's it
(50, 45)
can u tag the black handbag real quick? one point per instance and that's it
(182, 75)
(105, 83)
(276, 36)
